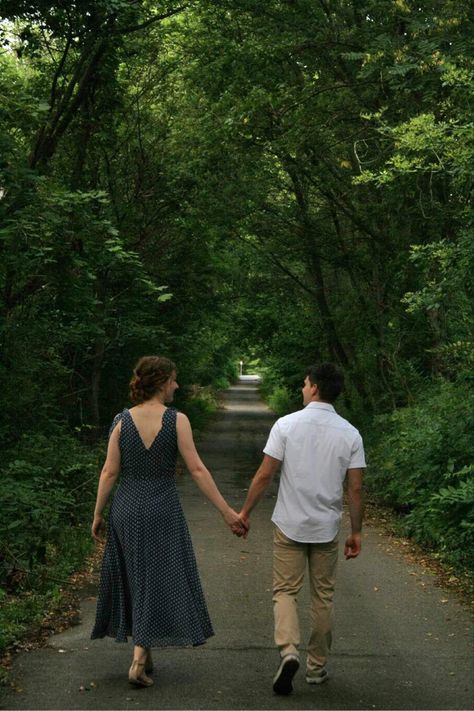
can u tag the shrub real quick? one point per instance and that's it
(199, 405)
(48, 486)
(421, 464)
(280, 401)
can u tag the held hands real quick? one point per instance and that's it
(243, 527)
(353, 546)
(236, 523)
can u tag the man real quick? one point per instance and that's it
(317, 449)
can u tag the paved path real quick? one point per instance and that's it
(400, 642)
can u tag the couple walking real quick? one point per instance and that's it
(150, 587)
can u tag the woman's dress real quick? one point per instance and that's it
(149, 586)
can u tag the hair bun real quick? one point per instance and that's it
(149, 376)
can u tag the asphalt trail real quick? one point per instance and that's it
(400, 641)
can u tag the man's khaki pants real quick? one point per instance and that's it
(289, 564)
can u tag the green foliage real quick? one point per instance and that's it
(446, 520)
(46, 499)
(42, 589)
(447, 298)
(280, 401)
(421, 463)
(48, 486)
(16, 614)
(199, 404)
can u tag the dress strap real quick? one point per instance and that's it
(169, 419)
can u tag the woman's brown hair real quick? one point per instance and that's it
(149, 376)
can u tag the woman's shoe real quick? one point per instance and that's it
(148, 663)
(137, 676)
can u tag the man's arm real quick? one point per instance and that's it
(260, 484)
(356, 510)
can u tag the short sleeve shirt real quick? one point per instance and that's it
(316, 447)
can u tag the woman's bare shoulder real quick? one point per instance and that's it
(182, 421)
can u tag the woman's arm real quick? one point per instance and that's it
(201, 474)
(108, 477)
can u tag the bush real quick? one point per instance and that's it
(46, 499)
(48, 486)
(34, 515)
(422, 466)
(446, 519)
(280, 401)
(42, 590)
(199, 404)
(279, 397)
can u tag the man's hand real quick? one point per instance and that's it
(353, 546)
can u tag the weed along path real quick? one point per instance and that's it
(400, 641)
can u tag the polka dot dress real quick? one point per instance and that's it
(149, 586)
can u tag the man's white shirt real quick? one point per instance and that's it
(317, 447)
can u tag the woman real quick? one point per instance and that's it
(150, 587)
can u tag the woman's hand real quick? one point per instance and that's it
(235, 523)
(97, 525)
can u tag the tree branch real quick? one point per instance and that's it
(263, 249)
(150, 21)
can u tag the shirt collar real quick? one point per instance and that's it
(321, 406)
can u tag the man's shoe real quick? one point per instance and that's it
(317, 677)
(282, 682)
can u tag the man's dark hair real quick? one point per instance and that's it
(328, 378)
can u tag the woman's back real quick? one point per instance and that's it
(148, 421)
(152, 454)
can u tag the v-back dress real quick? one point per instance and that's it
(149, 585)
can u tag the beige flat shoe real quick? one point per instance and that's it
(137, 676)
